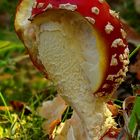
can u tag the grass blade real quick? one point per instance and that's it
(7, 111)
(134, 123)
(135, 50)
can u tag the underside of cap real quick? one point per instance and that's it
(104, 62)
(65, 44)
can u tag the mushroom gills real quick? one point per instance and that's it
(66, 40)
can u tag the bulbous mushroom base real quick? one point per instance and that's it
(94, 114)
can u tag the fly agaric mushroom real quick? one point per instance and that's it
(81, 46)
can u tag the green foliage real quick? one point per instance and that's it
(67, 114)
(19, 126)
(9, 7)
(4, 6)
(7, 45)
(129, 13)
(134, 123)
(19, 81)
(5, 104)
(11, 36)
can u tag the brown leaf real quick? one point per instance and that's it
(5, 20)
(69, 130)
(128, 104)
(72, 130)
(5, 108)
(19, 106)
(52, 127)
(52, 111)
(5, 76)
(112, 134)
(113, 109)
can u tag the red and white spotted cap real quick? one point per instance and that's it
(107, 24)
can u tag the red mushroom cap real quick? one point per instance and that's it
(107, 24)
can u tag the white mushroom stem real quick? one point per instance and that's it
(74, 87)
(70, 55)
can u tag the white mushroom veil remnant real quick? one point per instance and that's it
(81, 46)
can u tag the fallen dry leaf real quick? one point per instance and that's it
(112, 134)
(71, 129)
(20, 106)
(52, 111)
(113, 109)
(5, 108)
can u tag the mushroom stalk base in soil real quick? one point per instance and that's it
(69, 51)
